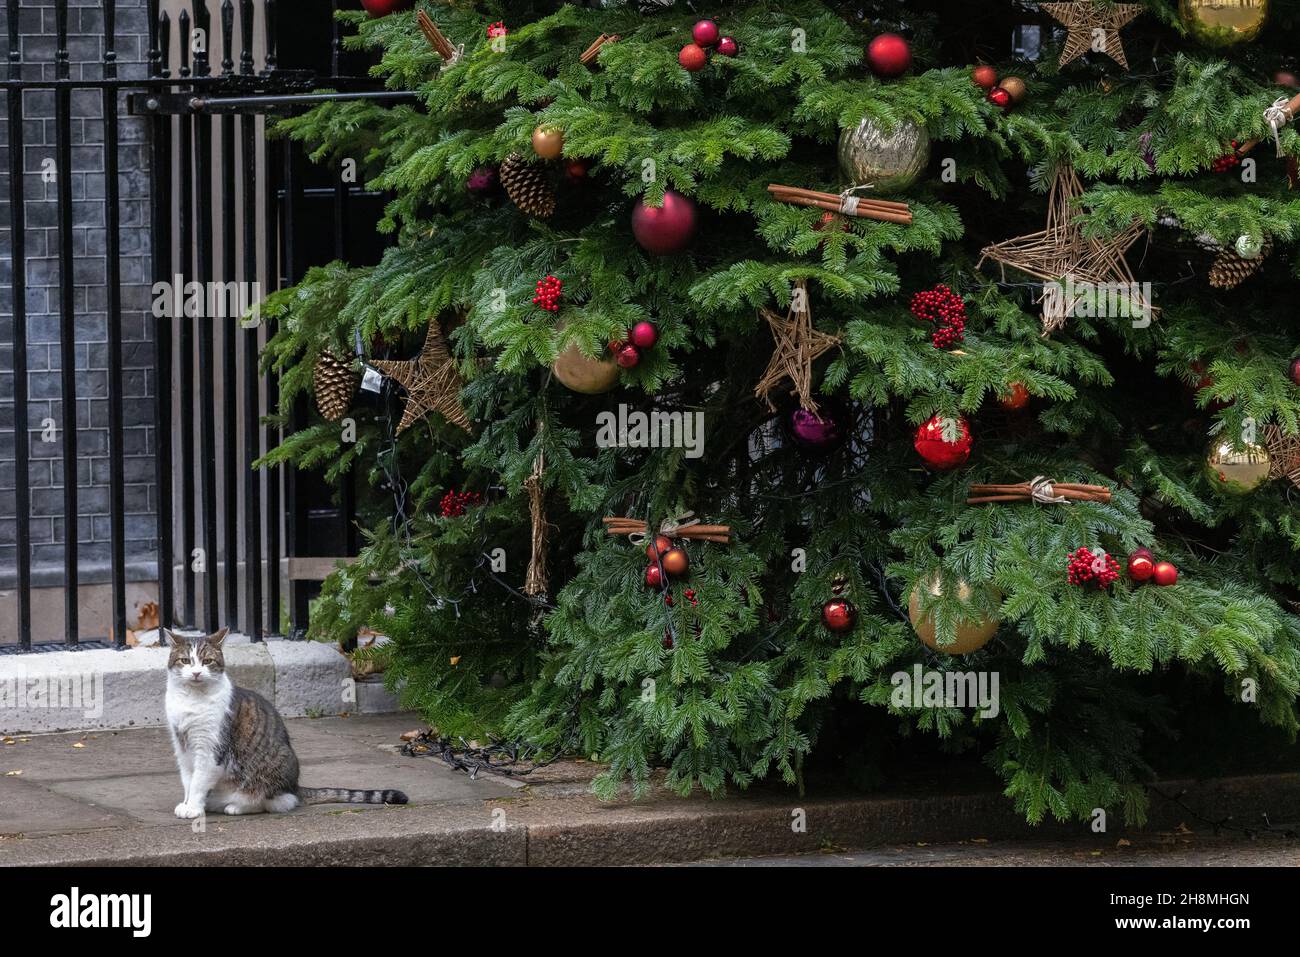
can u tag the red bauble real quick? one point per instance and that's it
(692, 57)
(984, 76)
(889, 55)
(576, 169)
(1285, 78)
(728, 46)
(382, 8)
(705, 33)
(839, 615)
(658, 547)
(644, 335)
(1295, 371)
(1141, 565)
(654, 578)
(665, 229)
(944, 442)
(1016, 399)
(482, 181)
(628, 356)
(1165, 573)
(1000, 97)
(675, 562)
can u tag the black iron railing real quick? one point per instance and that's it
(212, 221)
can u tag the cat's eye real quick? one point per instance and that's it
(185, 661)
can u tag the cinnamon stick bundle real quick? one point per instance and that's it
(435, 37)
(862, 207)
(1039, 490)
(589, 54)
(700, 533)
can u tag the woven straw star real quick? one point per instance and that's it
(431, 380)
(1086, 21)
(1061, 251)
(1283, 454)
(796, 346)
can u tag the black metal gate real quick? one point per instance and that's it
(226, 211)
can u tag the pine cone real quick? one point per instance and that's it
(1230, 270)
(335, 383)
(528, 187)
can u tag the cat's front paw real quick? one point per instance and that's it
(187, 812)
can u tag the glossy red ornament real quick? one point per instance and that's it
(382, 8)
(999, 97)
(658, 547)
(889, 55)
(1295, 371)
(944, 442)
(654, 578)
(576, 169)
(675, 562)
(628, 356)
(1016, 399)
(643, 335)
(728, 46)
(665, 229)
(984, 76)
(705, 33)
(816, 431)
(839, 615)
(1285, 78)
(1165, 573)
(692, 57)
(1141, 565)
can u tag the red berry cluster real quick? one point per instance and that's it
(1228, 160)
(946, 311)
(548, 294)
(497, 29)
(1087, 567)
(453, 503)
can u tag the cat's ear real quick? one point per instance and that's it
(176, 641)
(216, 639)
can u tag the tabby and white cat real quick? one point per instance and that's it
(231, 745)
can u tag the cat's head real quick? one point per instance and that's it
(196, 661)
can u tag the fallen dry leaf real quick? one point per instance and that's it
(411, 735)
(78, 745)
(1123, 842)
(455, 661)
(13, 774)
(9, 741)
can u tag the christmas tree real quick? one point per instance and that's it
(745, 373)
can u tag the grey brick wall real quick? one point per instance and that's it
(45, 475)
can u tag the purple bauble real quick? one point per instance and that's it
(665, 229)
(482, 180)
(816, 431)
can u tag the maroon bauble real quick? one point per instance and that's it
(654, 578)
(816, 431)
(1285, 78)
(665, 229)
(576, 169)
(999, 97)
(382, 8)
(1165, 573)
(627, 356)
(1295, 371)
(728, 46)
(482, 181)
(984, 76)
(692, 57)
(705, 33)
(1141, 565)
(839, 615)
(659, 546)
(675, 562)
(889, 55)
(643, 335)
(943, 442)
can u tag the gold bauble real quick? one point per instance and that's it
(1237, 470)
(887, 162)
(972, 635)
(1015, 86)
(548, 142)
(1223, 23)
(583, 374)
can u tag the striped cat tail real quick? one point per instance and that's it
(350, 796)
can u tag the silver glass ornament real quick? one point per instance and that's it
(887, 162)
